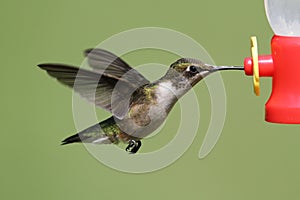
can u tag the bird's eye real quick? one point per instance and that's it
(192, 69)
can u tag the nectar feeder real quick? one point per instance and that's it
(283, 65)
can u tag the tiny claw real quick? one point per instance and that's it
(133, 146)
(130, 146)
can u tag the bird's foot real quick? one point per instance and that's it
(133, 146)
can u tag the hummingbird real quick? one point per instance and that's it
(138, 106)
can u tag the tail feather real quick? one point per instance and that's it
(71, 139)
(93, 134)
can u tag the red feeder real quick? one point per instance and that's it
(283, 65)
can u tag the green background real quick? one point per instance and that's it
(252, 160)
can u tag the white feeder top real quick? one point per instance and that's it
(284, 16)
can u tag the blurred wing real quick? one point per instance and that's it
(95, 87)
(103, 61)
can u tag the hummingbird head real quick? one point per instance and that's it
(190, 71)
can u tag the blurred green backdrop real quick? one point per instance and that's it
(252, 160)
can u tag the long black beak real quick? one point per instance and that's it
(219, 68)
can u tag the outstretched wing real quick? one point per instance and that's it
(95, 87)
(103, 61)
